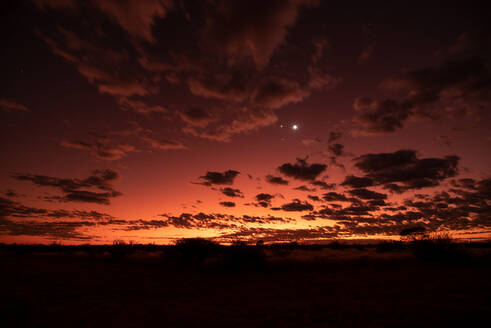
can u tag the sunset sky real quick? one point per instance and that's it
(280, 120)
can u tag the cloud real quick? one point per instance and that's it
(297, 206)
(311, 141)
(334, 196)
(336, 149)
(304, 188)
(228, 86)
(240, 120)
(219, 178)
(270, 234)
(75, 190)
(134, 16)
(231, 192)
(163, 144)
(369, 46)
(323, 185)
(457, 88)
(404, 169)
(8, 106)
(380, 117)
(218, 221)
(357, 182)
(364, 193)
(264, 200)
(277, 92)
(140, 107)
(276, 180)
(314, 198)
(102, 147)
(444, 140)
(227, 204)
(301, 170)
(64, 4)
(101, 66)
(197, 116)
(254, 29)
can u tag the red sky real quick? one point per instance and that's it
(155, 120)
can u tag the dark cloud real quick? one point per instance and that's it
(458, 88)
(76, 189)
(11, 193)
(231, 192)
(297, 206)
(102, 147)
(8, 105)
(404, 170)
(229, 86)
(264, 197)
(314, 198)
(323, 185)
(227, 204)
(237, 120)
(357, 182)
(219, 178)
(275, 93)
(380, 116)
(335, 197)
(276, 180)
(336, 149)
(270, 234)
(301, 170)
(135, 17)
(304, 188)
(197, 116)
(334, 136)
(369, 43)
(163, 144)
(264, 200)
(367, 194)
(254, 29)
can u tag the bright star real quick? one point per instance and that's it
(295, 127)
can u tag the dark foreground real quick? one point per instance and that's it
(296, 287)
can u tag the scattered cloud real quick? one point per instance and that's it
(231, 192)
(227, 204)
(78, 190)
(276, 180)
(405, 170)
(301, 170)
(8, 106)
(219, 178)
(163, 144)
(297, 206)
(102, 147)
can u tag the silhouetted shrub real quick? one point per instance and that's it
(194, 251)
(244, 258)
(438, 248)
(120, 249)
(413, 234)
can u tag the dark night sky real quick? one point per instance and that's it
(153, 120)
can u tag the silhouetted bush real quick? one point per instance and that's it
(244, 258)
(438, 248)
(120, 249)
(194, 251)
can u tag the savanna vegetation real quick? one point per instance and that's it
(424, 280)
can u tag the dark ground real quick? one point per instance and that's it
(325, 287)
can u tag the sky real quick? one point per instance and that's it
(278, 120)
